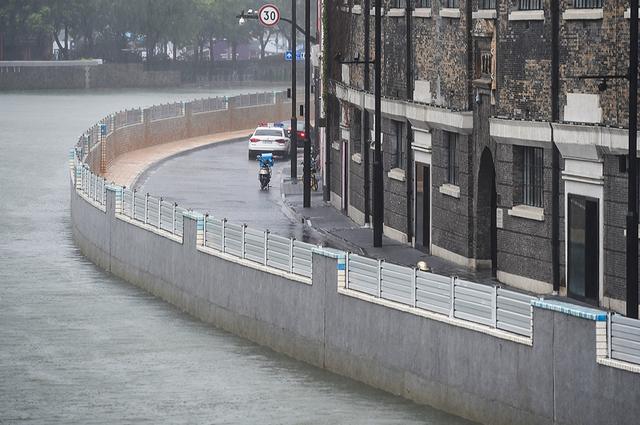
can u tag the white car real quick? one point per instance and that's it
(269, 139)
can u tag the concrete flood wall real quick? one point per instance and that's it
(482, 375)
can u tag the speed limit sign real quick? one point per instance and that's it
(269, 15)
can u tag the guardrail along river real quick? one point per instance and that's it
(80, 346)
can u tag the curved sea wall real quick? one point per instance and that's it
(484, 353)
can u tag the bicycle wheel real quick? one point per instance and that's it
(314, 182)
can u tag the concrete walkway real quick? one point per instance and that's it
(127, 168)
(339, 228)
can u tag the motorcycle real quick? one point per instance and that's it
(264, 174)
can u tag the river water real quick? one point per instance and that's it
(78, 345)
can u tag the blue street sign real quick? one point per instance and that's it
(288, 56)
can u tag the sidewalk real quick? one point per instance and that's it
(126, 169)
(340, 229)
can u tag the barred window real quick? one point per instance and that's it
(451, 4)
(529, 4)
(423, 4)
(533, 176)
(451, 140)
(398, 4)
(487, 4)
(400, 151)
(587, 4)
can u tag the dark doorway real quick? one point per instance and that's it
(423, 207)
(486, 229)
(584, 258)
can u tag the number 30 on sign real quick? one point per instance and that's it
(269, 15)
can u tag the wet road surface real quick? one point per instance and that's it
(78, 346)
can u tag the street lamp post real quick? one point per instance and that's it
(378, 191)
(294, 117)
(632, 209)
(306, 174)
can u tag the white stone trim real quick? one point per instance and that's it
(372, 12)
(448, 12)
(629, 367)
(627, 13)
(526, 15)
(422, 12)
(450, 190)
(601, 340)
(524, 283)
(355, 214)
(335, 200)
(356, 9)
(520, 132)
(335, 146)
(396, 12)
(456, 258)
(484, 14)
(438, 317)
(582, 14)
(394, 234)
(397, 174)
(615, 139)
(527, 211)
(357, 158)
(615, 304)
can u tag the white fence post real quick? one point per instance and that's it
(266, 245)
(173, 218)
(414, 287)
(346, 270)
(609, 335)
(494, 307)
(133, 204)
(223, 232)
(453, 297)
(291, 254)
(379, 278)
(104, 191)
(242, 240)
(160, 213)
(146, 208)
(204, 229)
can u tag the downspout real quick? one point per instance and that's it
(555, 154)
(409, 95)
(326, 99)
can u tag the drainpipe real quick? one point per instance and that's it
(366, 133)
(327, 63)
(555, 155)
(409, 78)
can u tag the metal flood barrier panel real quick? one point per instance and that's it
(254, 245)
(433, 292)
(625, 339)
(397, 283)
(474, 302)
(302, 258)
(514, 312)
(363, 274)
(278, 251)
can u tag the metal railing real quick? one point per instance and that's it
(259, 246)
(484, 304)
(153, 211)
(208, 104)
(92, 186)
(529, 4)
(587, 4)
(169, 110)
(128, 117)
(623, 338)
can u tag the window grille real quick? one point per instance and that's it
(529, 4)
(398, 4)
(400, 160)
(485, 64)
(423, 4)
(587, 4)
(487, 4)
(533, 178)
(452, 163)
(452, 4)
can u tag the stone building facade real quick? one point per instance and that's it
(469, 135)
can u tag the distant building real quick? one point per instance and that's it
(26, 47)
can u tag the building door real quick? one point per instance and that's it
(423, 207)
(583, 249)
(486, 224)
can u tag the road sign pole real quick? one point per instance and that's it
(294, 120)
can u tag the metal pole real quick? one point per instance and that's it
(378, 193)
(328, 66)
(294, 120)
(365, 117)
(306, 197)
(555, 153)
(632, 213)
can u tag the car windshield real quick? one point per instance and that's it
(268, 132)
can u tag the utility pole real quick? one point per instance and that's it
(378, 190)
(632, 209)
(306, 176)
(366, 133)
(294, 118)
